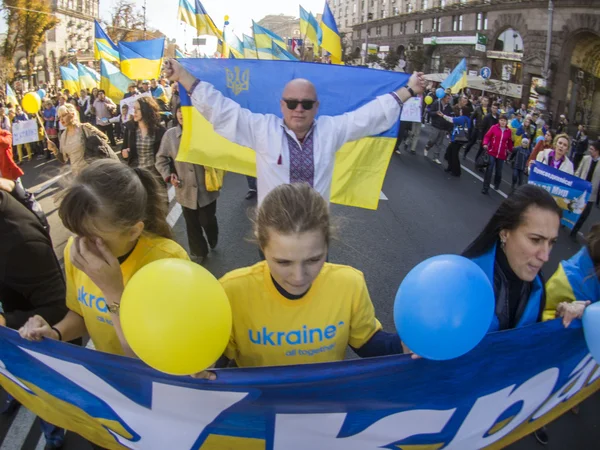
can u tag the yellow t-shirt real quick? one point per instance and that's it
(271, 330)
(87, 300)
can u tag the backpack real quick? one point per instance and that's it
(95, 146)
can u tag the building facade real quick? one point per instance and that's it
(508, 36)
(73, 36)
(287, 27)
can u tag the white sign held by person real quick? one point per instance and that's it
(25, 132)
(129, 102)
(411, 111)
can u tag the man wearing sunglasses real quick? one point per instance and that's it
(297, 148)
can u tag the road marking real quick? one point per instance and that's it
(39, 188)
(481, 179)
(19, 429)
(382, 196)
(174, 215)
(41, 443)
(171, 193)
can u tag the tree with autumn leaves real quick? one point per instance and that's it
(27, 21)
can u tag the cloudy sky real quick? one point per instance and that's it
(162, 14)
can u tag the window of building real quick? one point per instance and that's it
(377, 31)
(395, 10)
(482, 22)
(442, 3)
(346, 23)
(421, 26)
(409, 7)
(403, 28)
(383, 13)
(372, 3)
(425, 4)
(457, 23)
(354, 9)
(435, 24)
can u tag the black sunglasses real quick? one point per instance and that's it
(293, 104)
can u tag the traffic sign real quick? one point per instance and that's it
(485, 73)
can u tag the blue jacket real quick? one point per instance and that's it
(461, 122)
(533, 308)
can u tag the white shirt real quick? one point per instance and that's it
(566, 166)
(266, 134)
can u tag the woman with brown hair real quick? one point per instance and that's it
(542, 145)
(295, 308)
(118, 215)
(143, 135)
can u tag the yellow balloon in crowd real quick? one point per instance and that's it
(428, 100)
(176, 316)
(226, 18)
(32, 103)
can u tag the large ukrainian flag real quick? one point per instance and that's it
(70, 78)
(142, 59)
(331, 40)
(104, 47)
(233, 45)
(249, 48)
(360, 166)
(263, 37)
(204, 23)
(113, 82)
(457, 79)
(86, 80)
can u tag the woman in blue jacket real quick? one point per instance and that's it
(511, 250)
(459, 137)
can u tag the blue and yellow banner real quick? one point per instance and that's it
(104, 47)
(360, 166)
(249, 47)
(263, 37)
(309, 27)
(510, 385)
(331, 40)
(204, 23)
(571, 193)
(233, 45)
(113, 82)
(70, 78)
(88, 78)
(457, 79)
(142, 59)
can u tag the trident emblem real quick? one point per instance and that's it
(236, 83)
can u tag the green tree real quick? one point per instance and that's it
(373, 58)
(391, 60)
(28, 21)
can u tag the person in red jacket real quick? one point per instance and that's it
(8, 167)
(498, 144)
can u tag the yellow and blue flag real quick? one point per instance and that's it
(233, 45)
(263, 37)
(104, 47)
(142, 59)
(360, 166)
(11, 97)
(86, 80)
(113, 82)
(281, 54)
(186, 13)
(249, 47)
(331, 40)
(70, 78)
(457, 79)
(204, 24)
(309, 27)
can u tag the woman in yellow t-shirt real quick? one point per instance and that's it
(118, 215)
(294, 308)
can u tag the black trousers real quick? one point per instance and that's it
(108, 130)
(452, 155)
(475, 136)
(582, 218)
(577, 157)
(200, 221)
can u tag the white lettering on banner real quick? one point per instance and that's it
(552, 176)
(158, 427)
(25, 132)
(577, 380)
(307, 431)
(486, 411)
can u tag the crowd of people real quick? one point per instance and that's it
(117, 212)
(502, 134)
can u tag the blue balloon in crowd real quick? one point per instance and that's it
(440, 93)
(591, 329)
(444, 307)
(227, 22)
(41, 93)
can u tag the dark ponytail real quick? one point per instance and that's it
(157, 205)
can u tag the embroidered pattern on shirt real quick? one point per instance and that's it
(302, 165)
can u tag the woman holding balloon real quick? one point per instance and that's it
(295, 308)
(118, 215)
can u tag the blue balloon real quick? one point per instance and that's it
(591, 329)
(227, 22)
(440, 93)
(41, 93)
(444, 307)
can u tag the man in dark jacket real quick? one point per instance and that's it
(441, 126)
(489, 120)
(31, 280)
(477, 120)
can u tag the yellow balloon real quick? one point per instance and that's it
(176, 316)
(32, 103)
(428, 100)
(226, 18)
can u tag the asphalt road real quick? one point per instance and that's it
(427, 213)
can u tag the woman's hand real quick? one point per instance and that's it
(205, 375)
(52, 146)
(36, 328)
(571, 310)
(174, 180)
(125, 153)
(94, 259)
(441, 114)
